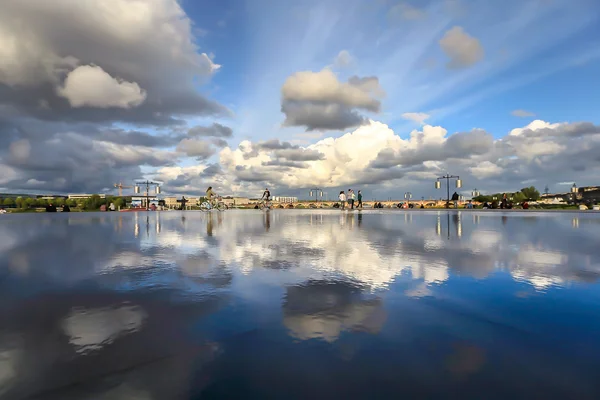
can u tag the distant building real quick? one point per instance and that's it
(174, 202)
(232, 201)
(140, 201)
(284, 199)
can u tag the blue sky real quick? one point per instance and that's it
(385, 94)
(531, 58)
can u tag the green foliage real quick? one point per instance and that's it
(8, 202)
(531, 193)
(93, 203)
(59, 202)
(71, 203)
(29, 202)
(119, 202)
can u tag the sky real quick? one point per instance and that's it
(384, 96)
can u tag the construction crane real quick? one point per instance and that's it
(121, 187)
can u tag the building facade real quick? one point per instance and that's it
(231, 201)
(83, 196)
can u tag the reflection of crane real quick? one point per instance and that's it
(121, 187)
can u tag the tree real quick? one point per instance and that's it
(71, 203)
(59, 201)
(8, 202)
(93, 203)
(41, 203)
(20, 202)
(531, 193)
(119, 202)
(29, 202)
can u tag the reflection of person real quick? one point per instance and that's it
(66, 208)
(50, 208)
(504, 203)
(469, 204)
(209, 225)
(267, 221)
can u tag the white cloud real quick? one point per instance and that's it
(462, 49)
(406, 11)
(319, 101)
(419, 117)
(91, 86)
(343, 59)
(486, 169)
(522, 113)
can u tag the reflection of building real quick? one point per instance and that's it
(283, 199)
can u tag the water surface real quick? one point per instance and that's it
(300, 304)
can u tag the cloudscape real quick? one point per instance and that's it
(382, 95)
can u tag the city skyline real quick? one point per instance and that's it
(381, 96)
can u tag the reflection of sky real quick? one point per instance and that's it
(123, 283)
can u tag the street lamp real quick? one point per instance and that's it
(447, 177)
(574, 192)
(141, 184)
(317, 192)
(407, 196)
(475, 193)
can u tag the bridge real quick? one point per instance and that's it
(366, 204)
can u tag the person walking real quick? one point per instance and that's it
(359, 200)
(342, 198)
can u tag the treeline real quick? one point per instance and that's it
(92, 203)
(528, 193)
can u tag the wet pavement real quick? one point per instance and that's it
(299, 304)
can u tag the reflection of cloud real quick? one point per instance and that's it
(91, 329)
(8, 368)
(322, 310)
(466, 359)
(421, 290)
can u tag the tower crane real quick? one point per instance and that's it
(121, 187)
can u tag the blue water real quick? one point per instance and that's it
(298, 304)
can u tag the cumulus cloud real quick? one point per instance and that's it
(196, 148)
(419, 118)
(40, 63)
(406, 11)
(374, 154)
(214, 130)
(319, 101)
(522, 113)
(343, 59)
(91, 86)
(462, 49)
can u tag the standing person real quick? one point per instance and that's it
(504, 203)
(342, 200)
(359, 200)
(455, 199)
(351, 198)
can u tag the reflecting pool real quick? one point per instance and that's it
(300, 304)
